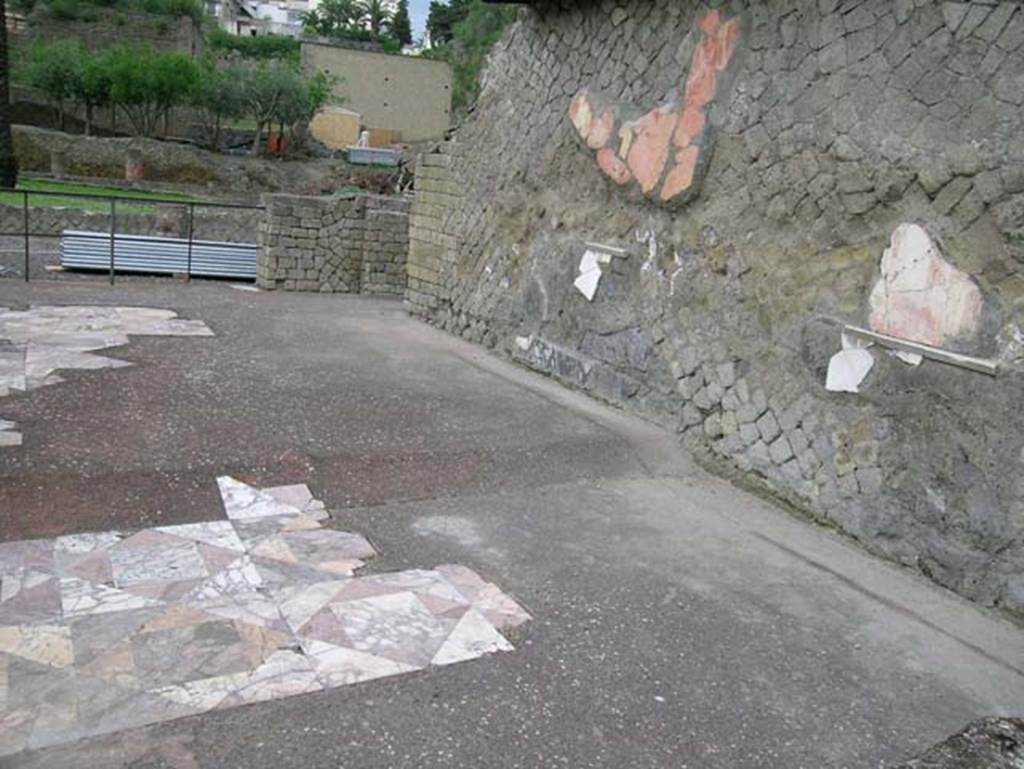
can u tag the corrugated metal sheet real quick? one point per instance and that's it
(141, 253)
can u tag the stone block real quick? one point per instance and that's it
(768, 427)
(780, 450)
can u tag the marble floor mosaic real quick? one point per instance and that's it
(37, 342)
(107, 631)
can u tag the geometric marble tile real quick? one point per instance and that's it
(106, 631)
(38, 342)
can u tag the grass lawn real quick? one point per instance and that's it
(86, 204)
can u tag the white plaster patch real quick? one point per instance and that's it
(847, 369)
(590, 272)
(920, 296)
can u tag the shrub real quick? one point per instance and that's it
(262, 47)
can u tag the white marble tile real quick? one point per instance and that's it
(79, 597)
(239, 576)
(472, 637)
(216, 533)
(395, 626)
(242, 501)
(340, 666)
(160, 562)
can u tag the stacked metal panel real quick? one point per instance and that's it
(142, 253)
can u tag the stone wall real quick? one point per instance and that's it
(104, 28)
(438, 195)
(235, 225)
(802, 142)
(349, 244)
(240, 178)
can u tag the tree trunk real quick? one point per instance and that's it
(216, 134)
(8, 164)
(256, 140)
(88, 120)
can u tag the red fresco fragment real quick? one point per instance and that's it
(649, 152)
(613, 167)
(681, 177)
(690, 126)
(681, 125)
(700, 85)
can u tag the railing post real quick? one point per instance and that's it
(113, 225)
(25, 211)
(191, 213)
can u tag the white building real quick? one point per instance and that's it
(260, 17)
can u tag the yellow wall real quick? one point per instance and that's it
(336, 127)
(407, 94)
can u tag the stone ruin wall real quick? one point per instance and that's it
(767, 171)
(349, 244)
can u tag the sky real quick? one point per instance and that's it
(418, 15)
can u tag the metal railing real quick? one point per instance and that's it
(27, 234)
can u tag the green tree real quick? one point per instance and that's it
(146, 85)
(471, 39)
(332, 17)
(401, 26)
(268, 88)
(443, 17)
(8, 163)
(54, 69)
(91, 88)
(219, 95)
(276, 93)
(374, 13)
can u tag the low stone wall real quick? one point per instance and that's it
(352, 244)
(240, 178)
(236, 225)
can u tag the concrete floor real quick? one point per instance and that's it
(678, 621)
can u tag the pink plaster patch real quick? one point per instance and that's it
(680, 178)
(613, 166)
(920, 296)
(649, 152)
(709, 22)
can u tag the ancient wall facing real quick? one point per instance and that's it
(347, 244)
(842, 120)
